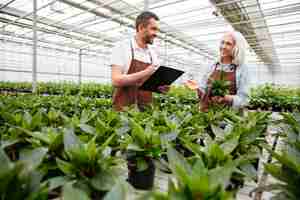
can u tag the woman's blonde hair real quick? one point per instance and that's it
(239, 50)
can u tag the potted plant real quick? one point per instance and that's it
(88, 167)
(22, 179)
(286, 168)
(194, 180)
(142, 145)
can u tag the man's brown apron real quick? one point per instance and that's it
(130, 95)
(216, 75)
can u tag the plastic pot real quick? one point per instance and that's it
(143, 180)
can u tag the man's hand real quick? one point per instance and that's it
(150, 70)
(120, 79)
(227, 99)
(191, 84)
(147, 73)
(164, 88)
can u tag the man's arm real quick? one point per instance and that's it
(121, 80)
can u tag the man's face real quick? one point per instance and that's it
(150, 31)
(226, 46)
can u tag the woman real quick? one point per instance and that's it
(231, 68)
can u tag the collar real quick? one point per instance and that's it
(230, 66)
(135, 45)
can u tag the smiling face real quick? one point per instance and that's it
(226, 47)
(149, 32)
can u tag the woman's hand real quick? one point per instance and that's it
(227, 99)
(191, 84)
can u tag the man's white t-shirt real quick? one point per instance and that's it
(121, 54)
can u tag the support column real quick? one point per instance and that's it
(166, 50)
(34, 48)
(79, 66)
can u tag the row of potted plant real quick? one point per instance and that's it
(65, 88)
(33, 122)
(285, 167)
(72, 134)
(265, 97)
(275, 98)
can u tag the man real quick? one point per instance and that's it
(231, 65)
(133, 61)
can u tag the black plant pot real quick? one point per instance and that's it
(234, 185)
(276, 109)
(143, 180)
(183, 150)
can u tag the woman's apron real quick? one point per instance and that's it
(216, 75)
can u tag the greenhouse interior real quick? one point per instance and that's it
(148, 99)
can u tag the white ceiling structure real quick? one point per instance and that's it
(190, 29)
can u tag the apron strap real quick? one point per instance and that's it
(132, 52)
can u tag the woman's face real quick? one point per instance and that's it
(227, 45)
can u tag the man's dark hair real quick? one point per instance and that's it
(143, 19)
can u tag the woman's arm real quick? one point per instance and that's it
(241, 99)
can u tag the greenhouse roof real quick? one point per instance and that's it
(190, 30)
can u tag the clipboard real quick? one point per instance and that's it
(162, 76)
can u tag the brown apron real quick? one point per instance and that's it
(131, 95)
(216, 75)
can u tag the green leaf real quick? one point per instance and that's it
(229, 145)
(221, 175)
(276, 172)
(249, 170)
(216, 153)
(26, 120)
(138, 134)
(168, 137)
(33, 158)
(92, 148)
(195, 148)
(40, 136)
(107, 142)
(84, 116)
(118, 192)
(103, 181)
(285, 160)
(176, 159)
(71, 141)
(56, 142)
(220, 133)
(7, 143)
(101, 127)
(53, 115)
(65, 167)
(199, 179)
(36, 120)
(6, 164)
(88, 129)
(34, 180)
(40, 194)
(56, 182)
(134, 147)
(72, 193)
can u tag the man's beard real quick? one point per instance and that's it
(148, 39)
